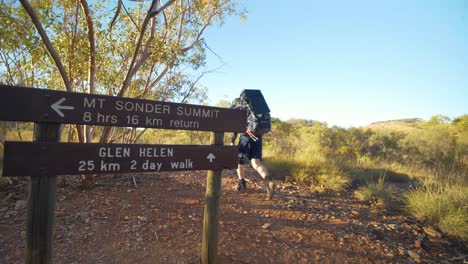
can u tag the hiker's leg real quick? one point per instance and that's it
(241, 185)
(243, 156)
(256, 158)
(260, 168)
(240, 171)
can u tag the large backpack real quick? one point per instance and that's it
(258, 113)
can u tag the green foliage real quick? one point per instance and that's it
(172, 42)
(434, 152)
(317, 175)
(165, 67)
(305, 172)
(161, 136)
(443, 206)
(280, 140)
(15, 131)
(279, 168)
(438, 146)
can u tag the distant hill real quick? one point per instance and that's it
(396, 124)
(405, 120)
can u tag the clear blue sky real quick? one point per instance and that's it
(348, 63)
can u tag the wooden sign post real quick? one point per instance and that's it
(49, 106)
(49, 109)
(211, 215)
(41, 203)
(91, 158)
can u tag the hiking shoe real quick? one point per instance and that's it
(270, 188)
(242, 185)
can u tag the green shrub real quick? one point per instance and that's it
(305, 172)
(301, 171)
(279, 168)
(331, 178)
(455, 222)
(317, 174)
(363, 175)
(380, 193)
(301, 174)
(445, 207)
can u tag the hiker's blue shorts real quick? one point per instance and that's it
(249, 149)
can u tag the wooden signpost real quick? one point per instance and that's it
(113, 158)
(49, 106)
(46, 159)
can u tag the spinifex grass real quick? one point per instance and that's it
(442, 206)
(378, 192)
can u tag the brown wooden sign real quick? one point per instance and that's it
(29, 158)
(49, 106)
(46, 158)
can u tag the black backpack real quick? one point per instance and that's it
(258, 113)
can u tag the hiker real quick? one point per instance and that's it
(250, 144)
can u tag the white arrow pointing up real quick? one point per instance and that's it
(58, 107)
(211, 157)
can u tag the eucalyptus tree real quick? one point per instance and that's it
(147, 50)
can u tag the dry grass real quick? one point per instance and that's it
(317, 174)
(380, 193)
(445, 207)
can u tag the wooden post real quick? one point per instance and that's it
(41, 203)
(211, 216)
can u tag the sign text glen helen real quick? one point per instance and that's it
(74, 158)
(49, 106)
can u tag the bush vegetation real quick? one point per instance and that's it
(378, 192)
(432, 154)
(443, 206)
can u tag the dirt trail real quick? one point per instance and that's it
(160, 221)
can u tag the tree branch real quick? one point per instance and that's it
(167, 21)
(92, 47)
(7, 66)
(45, 39)
(191, 88)
(53, 53)
(146, 88)
(149, 84)
(131, 72)
(145, 53)
(155, 13)
(131, 18)
(139, 135)
(197, 39)
(160, 76)
(195, 82)
(117, 13)
(181, 25)
(92, 60)
(71, 48)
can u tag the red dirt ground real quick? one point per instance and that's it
(160, 221)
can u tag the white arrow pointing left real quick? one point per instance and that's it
(211, 157)
(58, 107)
